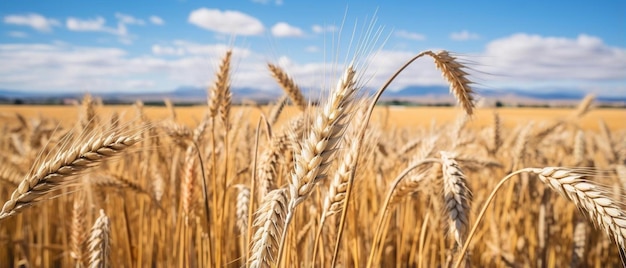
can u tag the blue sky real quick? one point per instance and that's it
(136, 46)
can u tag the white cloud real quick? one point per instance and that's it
(17, 34)
(312, 49)
(33, 20)
(533, 57)
(140, 84)
(322, 29)
(156, 20)
(98, 24)
(128, 19)
(282, 29)
(464, 35)
(167, 51)
(228, 21)
(265, 2)
(409, 35)
(181, 48)
(88, 25)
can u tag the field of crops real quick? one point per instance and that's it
(290, 185)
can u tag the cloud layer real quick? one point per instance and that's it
(534, 57)
(515, 61)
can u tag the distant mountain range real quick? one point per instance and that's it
(419, 94)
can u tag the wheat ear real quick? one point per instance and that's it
(452, 71)
(88, 119)
(496, 136)
(60, 170)
(219, 87)
(99, 242)
(584, 106)
(288, 85)
(270, 221)
(335, 198)
(78, 235)
(243, 199)
(189, 178)
(456, 197)
(572, 184)
(316, 150)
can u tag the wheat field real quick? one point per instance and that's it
(339, 184)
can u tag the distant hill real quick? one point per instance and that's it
(417, 94)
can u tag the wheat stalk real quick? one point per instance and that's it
(277, 109)
(459, 84)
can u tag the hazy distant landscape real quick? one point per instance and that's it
(417, 95)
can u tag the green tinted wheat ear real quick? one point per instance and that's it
(100, 242)
(62, 169)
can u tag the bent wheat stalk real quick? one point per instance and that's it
(461, 89)
(601, 209)
(385, 208)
